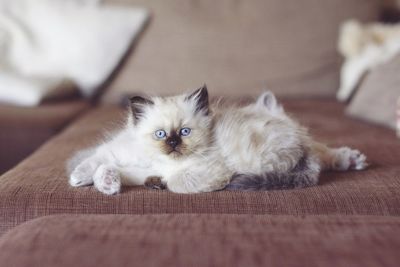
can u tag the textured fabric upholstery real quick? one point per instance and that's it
(38, 186)
(203, 240)
(22, 130)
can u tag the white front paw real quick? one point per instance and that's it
(81, 176)
(350, 159)
(107, 180)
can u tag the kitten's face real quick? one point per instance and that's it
(175, 126)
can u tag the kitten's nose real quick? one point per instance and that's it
(173, 141)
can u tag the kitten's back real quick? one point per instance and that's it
(265, 148)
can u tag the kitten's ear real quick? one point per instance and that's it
(268, 100)
(200, 96)
(138, 105)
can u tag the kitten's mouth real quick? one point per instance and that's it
(175, 153)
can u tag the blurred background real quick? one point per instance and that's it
(61, 58)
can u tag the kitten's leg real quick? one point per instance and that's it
(339, 159)
(199, 178)
(83, 174)
(107, 179)
(183, 182)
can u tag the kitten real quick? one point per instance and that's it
(161, 137)
(187, 146)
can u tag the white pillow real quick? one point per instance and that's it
(77, 40)
(29, 91)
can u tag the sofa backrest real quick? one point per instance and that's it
(239, 47)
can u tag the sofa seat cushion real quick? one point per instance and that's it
(39, 185)
(203, 240)
(23, 129)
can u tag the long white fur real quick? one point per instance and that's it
(132, 152)
(256, 138)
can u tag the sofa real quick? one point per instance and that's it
(24, 129)
(238, 48)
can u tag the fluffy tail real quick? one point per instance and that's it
(304, 174)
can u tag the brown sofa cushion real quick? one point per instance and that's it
(203, 240)
(376, 99)
(288, 46)
(22, 130)
(38, 186)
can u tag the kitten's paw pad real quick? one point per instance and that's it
(109, 186)
(358, 161)
(107, 181)
(350, 159)
(80, 178)
(155, 182)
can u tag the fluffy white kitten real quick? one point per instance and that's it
(191, 147)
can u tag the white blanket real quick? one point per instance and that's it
(45, 42)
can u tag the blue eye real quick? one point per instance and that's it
(185, 131)
(160, 134)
